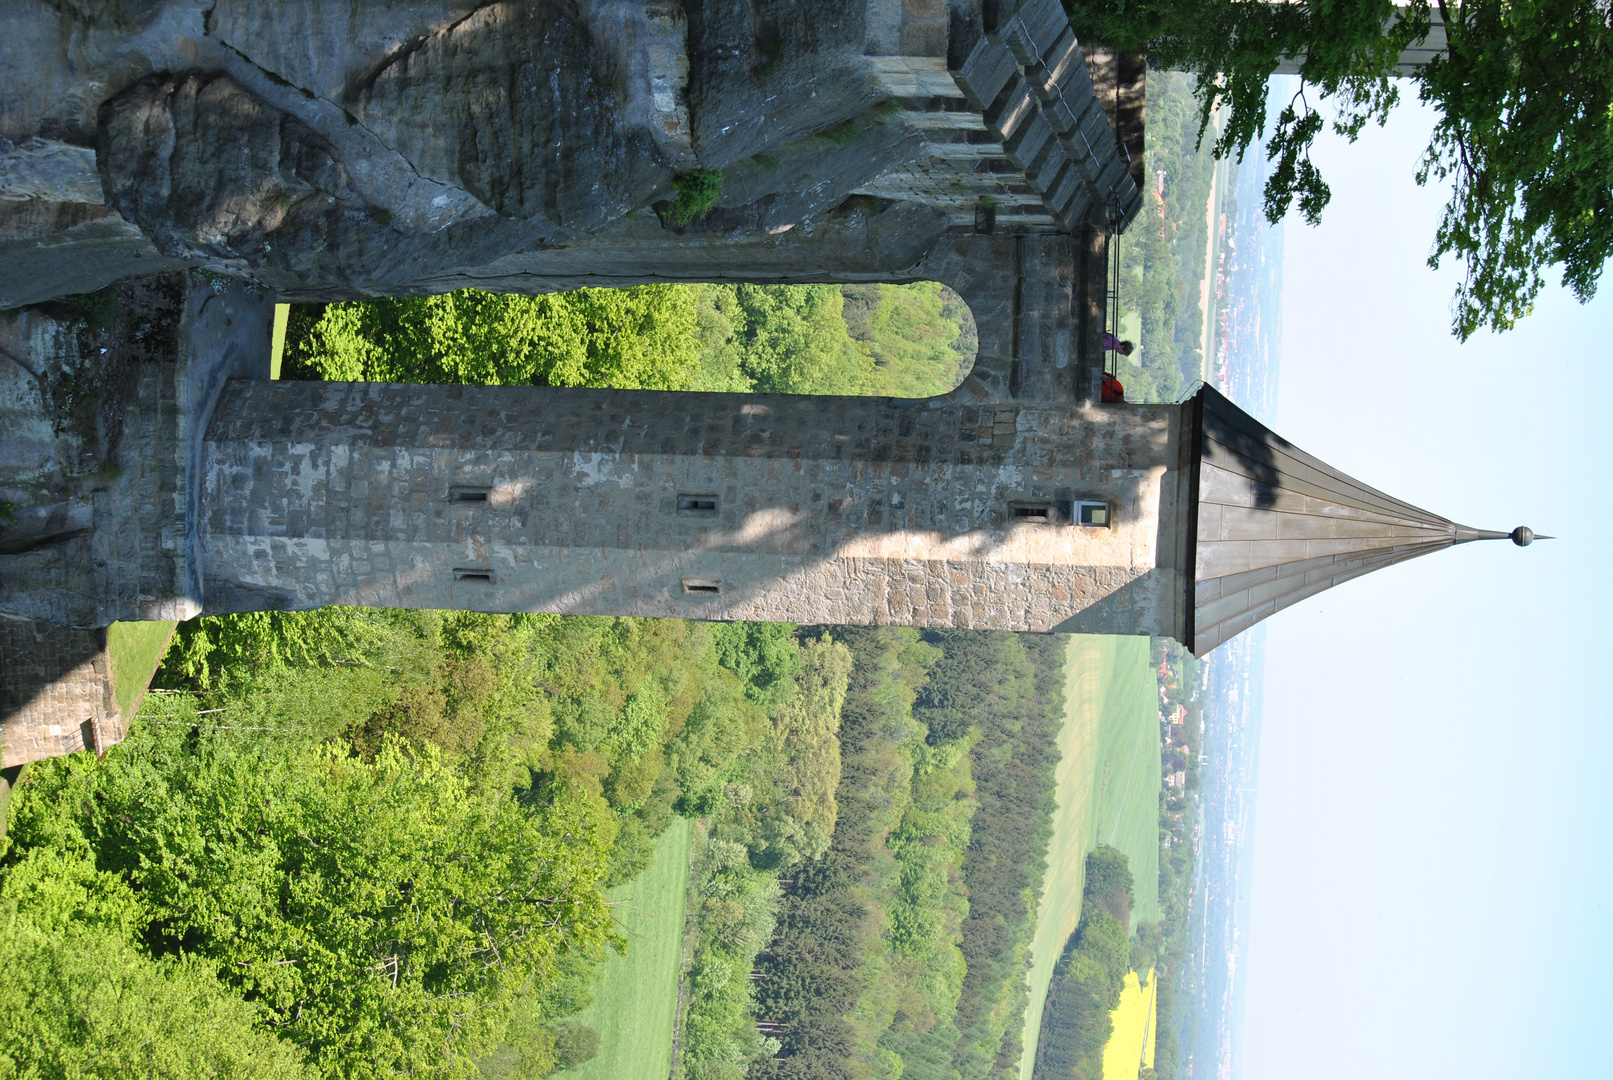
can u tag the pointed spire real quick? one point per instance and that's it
(1275, 525)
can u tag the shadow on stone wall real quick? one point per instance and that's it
(55, 692)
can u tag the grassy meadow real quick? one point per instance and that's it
(1129, 777)
(136, 649)
(1108, 790)
(636, 998)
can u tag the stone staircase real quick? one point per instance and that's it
(1019, 137)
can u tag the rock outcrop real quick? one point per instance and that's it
(342, 150)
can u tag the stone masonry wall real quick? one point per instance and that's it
(55, 692)
(826, 509)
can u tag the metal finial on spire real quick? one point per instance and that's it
(1523, 536)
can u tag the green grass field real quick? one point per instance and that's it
(136, 649)
(1129, 778)
(1106, 793)
(637, 996)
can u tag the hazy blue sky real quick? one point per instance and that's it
(1434, 839)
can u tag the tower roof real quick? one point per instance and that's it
(1275, 525)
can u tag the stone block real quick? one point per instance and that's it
(1028, 141)
(924, 38)
(1049, 172)
(1014, 105)
(1054, 73)
(986, 72)
(1045, 24)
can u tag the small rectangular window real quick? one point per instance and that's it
(473, 573)
(468, 495)
(697, 504)
(701, 587)
(1093, 514)
(1054, 512)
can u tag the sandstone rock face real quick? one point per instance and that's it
(210, 172)
(101, 411)
(333, 150)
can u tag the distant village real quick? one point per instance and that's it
(1181, 722)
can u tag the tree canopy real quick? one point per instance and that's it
(381, 916)
(903, 340)
(1525, 130)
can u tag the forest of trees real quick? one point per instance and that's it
(381, 838)
(902, 950)
(913, 340)
(775, 807)
(1010, 689)
(330, 808)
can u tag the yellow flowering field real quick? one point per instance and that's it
(1131, 1047)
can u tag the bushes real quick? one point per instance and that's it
(696, 195)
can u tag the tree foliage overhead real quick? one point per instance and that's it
(1525, 129)
(1525, 135)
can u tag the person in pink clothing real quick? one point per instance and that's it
(1114, 344)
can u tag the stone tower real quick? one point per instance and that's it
(1191, 521)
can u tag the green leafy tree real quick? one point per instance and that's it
(763, 655)
(383, 915)
(78, 1003)
(1525, 134)
(642, 337)
(795, 341)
